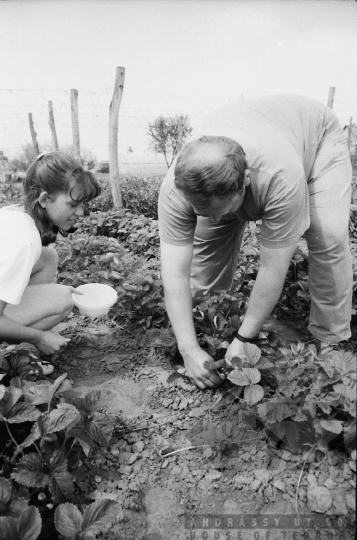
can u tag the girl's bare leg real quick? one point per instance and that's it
(44, 304)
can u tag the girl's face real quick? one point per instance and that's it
(62, 208)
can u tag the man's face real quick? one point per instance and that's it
(216, 207)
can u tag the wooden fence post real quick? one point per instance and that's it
(113, 137)
(349, 135)
(51, 121)
(75, 125)
(331, 96)
(33, 135)
(179, 134)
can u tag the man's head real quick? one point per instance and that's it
(212, 173)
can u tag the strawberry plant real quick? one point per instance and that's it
(21, 521)
(97, 517)
(138, 233)
(42, 436)
(302, 398)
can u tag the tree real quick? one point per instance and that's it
(24, 160)
(167, 134)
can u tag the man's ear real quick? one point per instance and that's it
(247, 178)
(43, 199)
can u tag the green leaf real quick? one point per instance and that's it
(30, 472)
(236, 362)
(64, 415)
(296, 373)
(68, 520)
(279, 429)
(263, 363)
(335, 426)
(300, 416)
(346, 391)
(238, 377)
(5, 492)
(292, 432)
(349, 435)
(16, 507)
(38, 394)
(2, 390)
(252, 352)
(83, 439)
(276, 409)
(253, 394)
(61, 482)
(30, 524)
(99, 515)
(44, 392)
(12, 395)
(253, 375)
(23, 412)
(34, 435)
(8, 528)
(344, 361)
(96, 433)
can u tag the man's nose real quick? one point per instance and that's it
(216, 218)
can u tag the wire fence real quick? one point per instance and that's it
(136, 111)
(138, 108)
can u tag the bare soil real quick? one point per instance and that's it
(161, 482)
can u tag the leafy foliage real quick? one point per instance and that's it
(97, 518)
(39, 457)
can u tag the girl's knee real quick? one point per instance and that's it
(50, 257)
(66, 304)
(45, 268)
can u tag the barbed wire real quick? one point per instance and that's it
(137, 109)
(93, 112)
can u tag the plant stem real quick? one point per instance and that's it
(9, 432)
(298, 485)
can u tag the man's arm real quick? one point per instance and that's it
(274, 264)
(176, 266)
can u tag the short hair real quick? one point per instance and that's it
(55, 172)
(211, 166)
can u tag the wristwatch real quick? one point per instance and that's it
(243, 339)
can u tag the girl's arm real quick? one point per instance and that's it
(13, 332)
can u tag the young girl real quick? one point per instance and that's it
(55, 188)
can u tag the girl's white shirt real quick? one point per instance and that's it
(20, 249)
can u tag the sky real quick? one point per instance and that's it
(179, 56)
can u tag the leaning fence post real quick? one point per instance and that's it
(33, 135)
(51, 121)
(331, 96)
(113, 137)
(75, 124)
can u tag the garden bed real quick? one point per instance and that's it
(161, 452)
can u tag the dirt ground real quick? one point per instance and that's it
(178, 453)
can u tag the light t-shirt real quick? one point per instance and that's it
(20, 249)
(280, 136)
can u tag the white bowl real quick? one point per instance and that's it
(96, 299)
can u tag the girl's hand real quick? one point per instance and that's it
(50, 343)
(75, 291)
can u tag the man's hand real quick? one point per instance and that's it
(50, 343)
(236, 348)
(198, 374)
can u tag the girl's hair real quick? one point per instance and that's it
(55, 173)
(210, 166)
